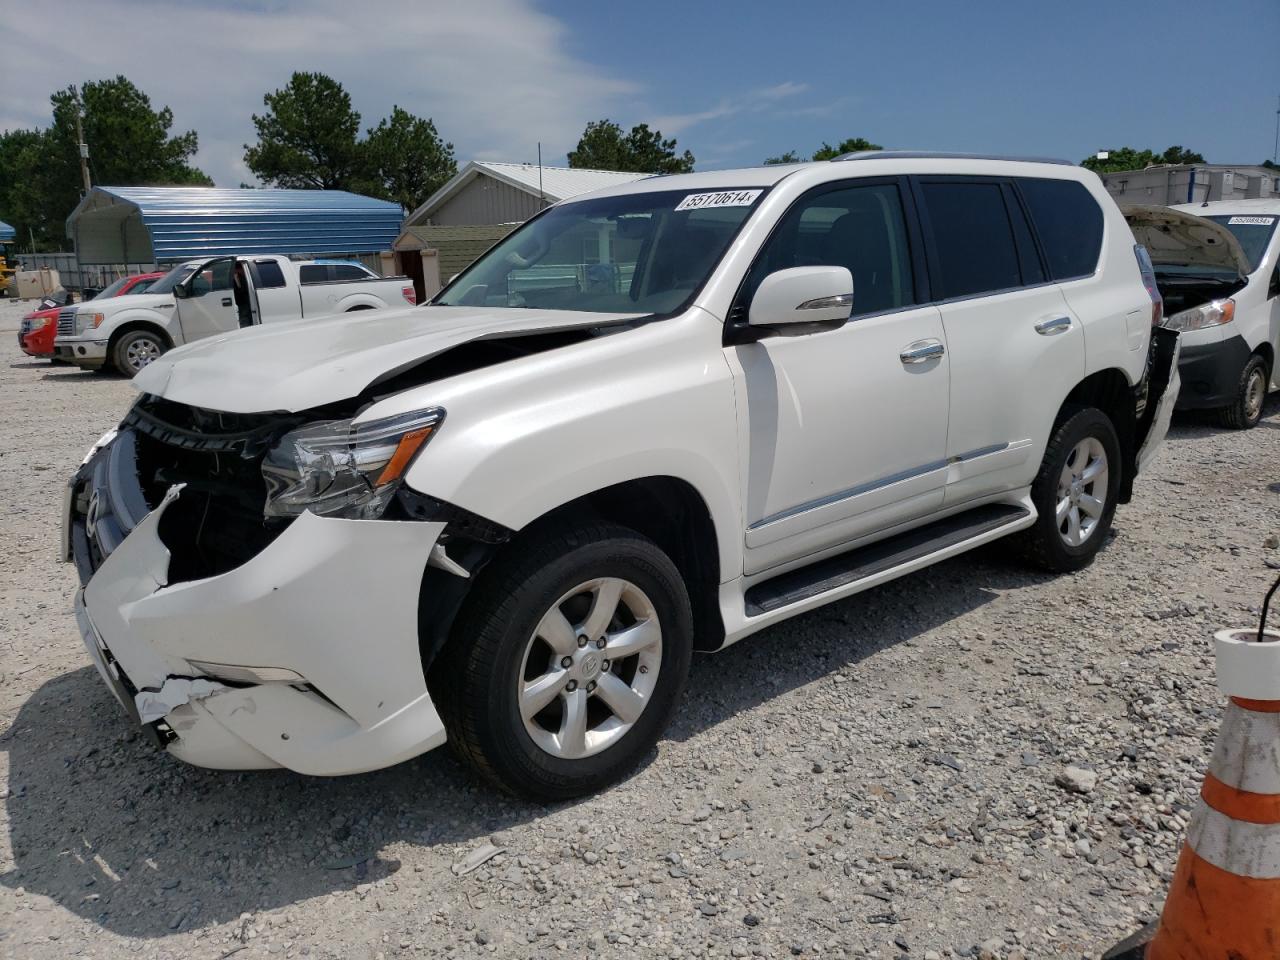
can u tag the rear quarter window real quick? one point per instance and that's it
(348, 271)
(1068, 222)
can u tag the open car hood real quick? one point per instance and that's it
(1174, 238)
(306, 363)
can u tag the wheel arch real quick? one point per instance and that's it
(1111, 392)
(1268, 353)
(666, 509)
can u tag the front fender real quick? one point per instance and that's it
(527, 437)
(165, 321)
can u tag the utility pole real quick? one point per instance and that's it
(1275, 154)
(84, 152)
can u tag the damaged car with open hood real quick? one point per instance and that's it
(1217, 266)
(651, 421)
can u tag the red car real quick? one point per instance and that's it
(39, 328)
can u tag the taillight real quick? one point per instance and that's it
(410, 295)
(1148, 271)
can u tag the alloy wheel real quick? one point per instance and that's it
(141, 352)
(590, 668)
(1082, 491)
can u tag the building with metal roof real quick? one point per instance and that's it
(7, 233)
(483, 192)
(165, 224)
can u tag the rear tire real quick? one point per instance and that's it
(135, 350)
(566, 662)
(1251, 396)
(1074, 493)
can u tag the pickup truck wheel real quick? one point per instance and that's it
(1251, 396)
(567, 661)
(1074, 493)
(135, 349)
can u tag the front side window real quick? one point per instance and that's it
(858, 227)
(212, 278)
(177, 275)
(1069, 223)
(972, 238)
(636, 253)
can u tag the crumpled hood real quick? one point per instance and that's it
(1175, 238)
(306, 363)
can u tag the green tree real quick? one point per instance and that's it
(1271, 165)
(129, 144)
(850, 145)
(406, 160)
(789, 157)
(603, 146)
(1129, 158)
(308, 136)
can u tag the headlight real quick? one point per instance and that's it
(337, 469)
(87, 321)
(1212, 314)
(39, 323)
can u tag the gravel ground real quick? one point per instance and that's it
(885, 777)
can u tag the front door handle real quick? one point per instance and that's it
(922, 351)
(226, 301)
(1052, 326)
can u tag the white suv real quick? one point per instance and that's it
(653, 420)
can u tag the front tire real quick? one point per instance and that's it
(135, 349)
(1075, 492)
(567, 661)
(1251, 395)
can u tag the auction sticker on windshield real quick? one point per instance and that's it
(724, 198)
(1256, 221)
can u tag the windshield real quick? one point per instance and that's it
(636, 253)
(174, 277)
(1253, 232)
(110, 291)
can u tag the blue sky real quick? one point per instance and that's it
(734, 83)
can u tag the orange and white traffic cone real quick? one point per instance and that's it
(1224, 901)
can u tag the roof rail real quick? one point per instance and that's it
(941, 155)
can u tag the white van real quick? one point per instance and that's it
(1221, 286)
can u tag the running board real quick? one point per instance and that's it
(881, 557)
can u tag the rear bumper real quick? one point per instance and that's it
(1211, 373)
(333, 601)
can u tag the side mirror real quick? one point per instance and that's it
(181, 291)
(803, 295)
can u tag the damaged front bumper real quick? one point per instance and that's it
(329, 607)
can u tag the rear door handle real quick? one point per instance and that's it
(1052, 326)
(922, 351)
(226, 301)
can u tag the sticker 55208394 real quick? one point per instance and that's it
(1257, 221)
(723, 198)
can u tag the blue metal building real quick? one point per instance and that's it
(7, 233)
(128, 225)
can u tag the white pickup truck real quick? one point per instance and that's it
(204, 297)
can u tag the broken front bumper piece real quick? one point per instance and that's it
(330, 606)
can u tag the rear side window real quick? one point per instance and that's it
(313, 273)
(1069, 223)
(348, 271)
(973, 238)
(269, 274)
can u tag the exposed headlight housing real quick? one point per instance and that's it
(1212, 314)
(335, 468)
(87, 321)
(39, 323)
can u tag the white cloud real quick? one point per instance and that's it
(495, 75)
(751, 102)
